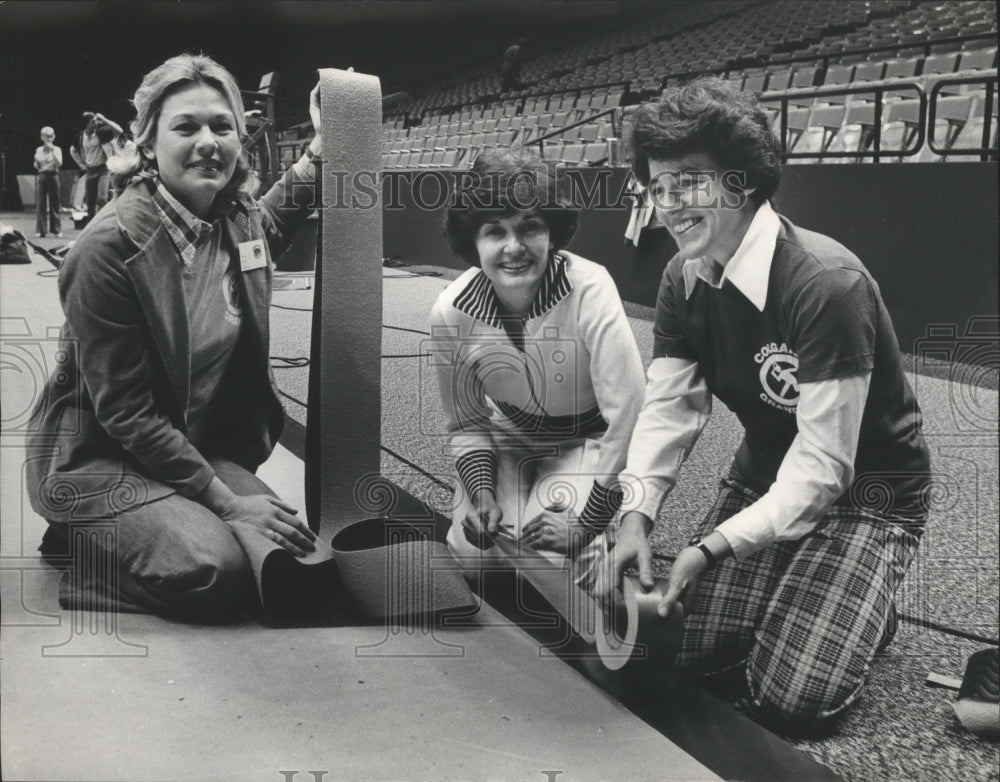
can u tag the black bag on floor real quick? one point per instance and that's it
(14, 248)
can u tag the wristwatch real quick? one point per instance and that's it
(712, 559)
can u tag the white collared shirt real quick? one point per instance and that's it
(818, 466)
(750, 267)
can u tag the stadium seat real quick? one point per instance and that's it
(797, 122)
(779, 80)
(952, 112)
(971, 136)
(571, 134)
(595, 152)
(572, 153)
(978, 59)
(900, 124)
(837, 75)
(824, 125)
(754, 81)
(857, 131)
(804, 76)
(940, 63)
(869, 71)
(901, 67)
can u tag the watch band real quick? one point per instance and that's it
(712, 559)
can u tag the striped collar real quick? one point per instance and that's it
(186, 229)
(478, 300)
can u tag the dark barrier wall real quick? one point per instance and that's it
(926, 231)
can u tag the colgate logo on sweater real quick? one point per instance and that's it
(778, 367)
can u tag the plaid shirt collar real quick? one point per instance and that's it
(186, 229)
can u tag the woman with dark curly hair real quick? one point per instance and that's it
(539, 373)
(790, 577)
(165, 404)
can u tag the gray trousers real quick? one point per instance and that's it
(172, 556)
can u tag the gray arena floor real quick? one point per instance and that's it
(902, 730)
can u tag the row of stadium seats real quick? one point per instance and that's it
(571, 154)
(783, 77)
(715, 37)
(521, 128)
(592, 98)
(846, 123)
(762, 47)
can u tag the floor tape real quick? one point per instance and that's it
(628, 634)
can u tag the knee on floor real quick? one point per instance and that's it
(198, 582)
(811, 708)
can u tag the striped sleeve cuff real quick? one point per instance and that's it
(602, 504)
(477, 471)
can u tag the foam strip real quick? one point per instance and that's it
(344, 429)
(386, 573)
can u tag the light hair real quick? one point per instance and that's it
(46, 131)
(158, 85)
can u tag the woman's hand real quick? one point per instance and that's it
(483, 521)
(631, 545)
(272, 518)
(555, 529)
(316, 145)
(685, 575)
(316, 117)
(689, 568)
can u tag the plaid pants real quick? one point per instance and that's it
(804, 616)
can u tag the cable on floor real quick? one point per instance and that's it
(419, 469)
(412, 331)
(294, 399)
(294, 362)
(918, 622)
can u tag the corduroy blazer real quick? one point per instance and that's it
(109, 432)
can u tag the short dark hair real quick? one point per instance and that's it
(707, 115)
(501, 182)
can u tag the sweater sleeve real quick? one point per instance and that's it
(617, 378)
(288, 204)
(467, 414)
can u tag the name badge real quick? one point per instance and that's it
(252, 255)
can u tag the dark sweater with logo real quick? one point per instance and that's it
(824, 318)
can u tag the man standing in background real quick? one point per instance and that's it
(48, 161)
(91, 153)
